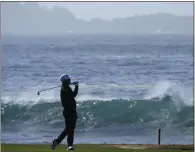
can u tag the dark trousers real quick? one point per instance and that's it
(69, 129)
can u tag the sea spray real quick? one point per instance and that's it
(179, 93)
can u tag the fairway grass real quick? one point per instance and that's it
(97, 148)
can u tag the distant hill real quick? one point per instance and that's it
(32, 19)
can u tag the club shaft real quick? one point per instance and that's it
(50, 88)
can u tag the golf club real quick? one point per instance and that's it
(38, 93)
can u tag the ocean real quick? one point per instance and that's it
(129, 87)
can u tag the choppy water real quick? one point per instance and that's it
(129, 87)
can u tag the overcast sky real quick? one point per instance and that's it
(109, 10)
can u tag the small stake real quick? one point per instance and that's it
(159, 134)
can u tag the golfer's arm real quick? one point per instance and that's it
(75, 92)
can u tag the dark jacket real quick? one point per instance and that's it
(68, 101)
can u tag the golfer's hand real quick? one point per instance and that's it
(76, 83)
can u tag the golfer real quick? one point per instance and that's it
(69, 112)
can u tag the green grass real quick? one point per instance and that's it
(80, 148)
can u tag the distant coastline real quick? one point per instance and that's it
(32, 19)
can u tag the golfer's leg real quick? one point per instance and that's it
(70, 131)
(70, 137)
(61, 136)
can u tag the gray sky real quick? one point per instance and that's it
(109, 10)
